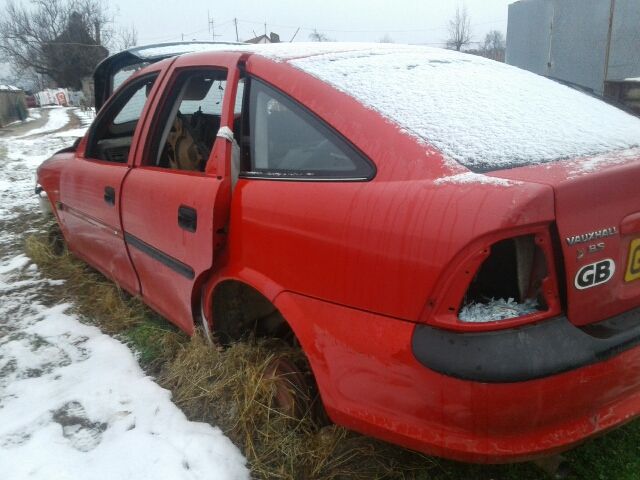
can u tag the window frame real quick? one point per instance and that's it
(167, 101)
(111, 110)
(316, 122)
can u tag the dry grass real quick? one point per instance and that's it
(227, 387)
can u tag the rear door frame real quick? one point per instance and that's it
(169, 270)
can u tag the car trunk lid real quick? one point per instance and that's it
(597, 208)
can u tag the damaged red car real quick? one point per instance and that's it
(453, 242)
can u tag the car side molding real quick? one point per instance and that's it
(168, 261)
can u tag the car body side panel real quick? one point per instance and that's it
(370, 382)
(383, 245)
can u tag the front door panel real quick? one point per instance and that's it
(90, 212)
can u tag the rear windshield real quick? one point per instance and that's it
(484, 114)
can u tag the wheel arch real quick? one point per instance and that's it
(249, 279)
(293, 318)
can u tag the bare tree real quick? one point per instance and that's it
(494, 46)
(60, 39)
(127, 37)
(386, 38)
(317, 36)
(459, 29)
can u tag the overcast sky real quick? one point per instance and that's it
(404, 21)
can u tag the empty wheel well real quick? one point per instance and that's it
(239, 310)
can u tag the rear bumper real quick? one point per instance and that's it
(371, 381)
(525, 353)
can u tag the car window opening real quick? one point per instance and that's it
(286, 141)
(508, 283)
(111, 138)
(192, 121)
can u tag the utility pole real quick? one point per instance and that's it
(235, 21)
(612, 10)
(212, 30)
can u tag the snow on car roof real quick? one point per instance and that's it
(482, 113)
(152, 51)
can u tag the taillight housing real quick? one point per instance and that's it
(498, 281)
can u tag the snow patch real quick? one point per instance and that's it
(58, 118)
(497, 309)
(15, 263)
(76, 132)
(475, 178)
(183, 48)
(77, 405)
(585, 166)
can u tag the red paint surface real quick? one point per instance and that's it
(586, 203)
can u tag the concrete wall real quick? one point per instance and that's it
(567, 39)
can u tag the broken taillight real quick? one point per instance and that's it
(498, 282)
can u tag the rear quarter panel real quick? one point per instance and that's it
(380, 245)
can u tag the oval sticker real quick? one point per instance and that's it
(595, 274)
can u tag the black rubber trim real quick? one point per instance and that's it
(524, 353)
(168, 261)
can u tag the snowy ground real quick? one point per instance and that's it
(73, 402)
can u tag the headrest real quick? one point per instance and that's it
(197, 87)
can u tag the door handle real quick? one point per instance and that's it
(110, 196)
(187, 218)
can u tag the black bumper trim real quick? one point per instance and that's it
(524, 353)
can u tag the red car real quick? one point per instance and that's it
(454, 242)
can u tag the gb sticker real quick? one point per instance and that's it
(595, 274)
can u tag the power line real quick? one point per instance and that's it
(235, 21)
(378, 30)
